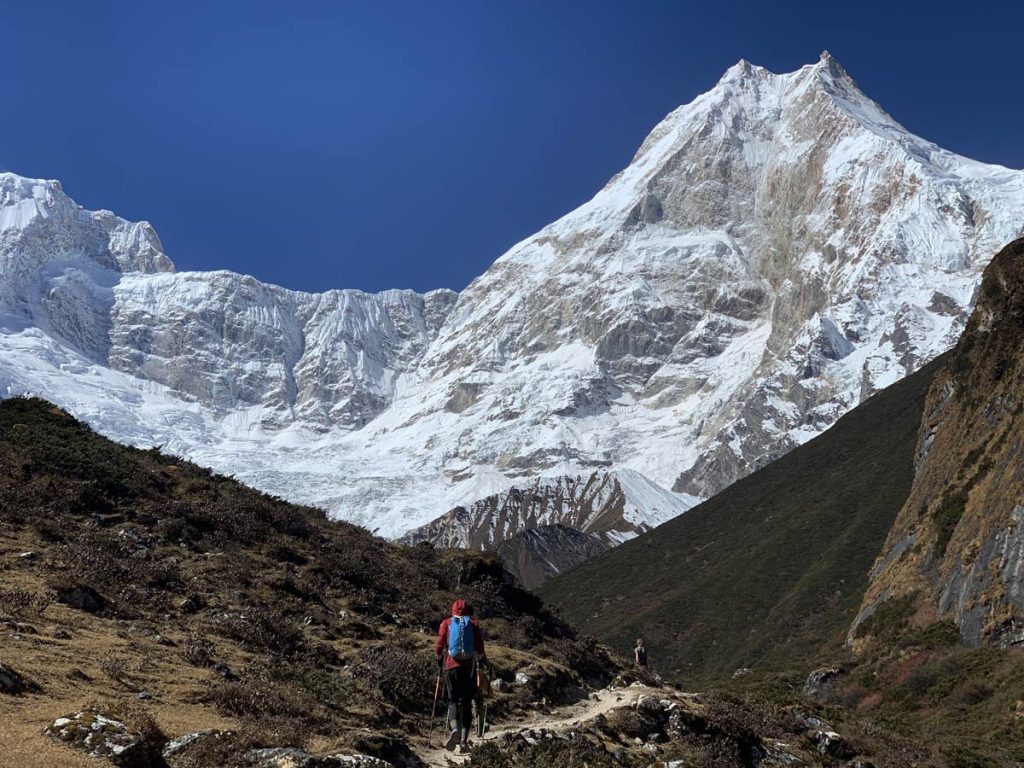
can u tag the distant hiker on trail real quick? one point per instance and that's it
(640, 654)
(459, 648)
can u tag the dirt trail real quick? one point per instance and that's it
(564, 718)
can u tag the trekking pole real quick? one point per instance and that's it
(433, 710)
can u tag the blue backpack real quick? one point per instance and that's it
(460, 638)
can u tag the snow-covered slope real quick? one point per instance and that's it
(778, 250)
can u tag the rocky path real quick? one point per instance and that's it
(562, 719)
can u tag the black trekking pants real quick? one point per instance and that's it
(459, 691)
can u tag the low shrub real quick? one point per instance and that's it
(24, 602)
(198, 651)
(115, 667)
(269, 706)
(398, 674)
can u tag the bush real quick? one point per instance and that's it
(947, 518)
(400, 675)
(198, 651)
(973, 693)
(260, 699)
(331, 689)
(262, 629)
(889, 619)
(23, 602)
(919, 682)
(941, 634)
(115, 668)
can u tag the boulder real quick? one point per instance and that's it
(832, 744)
(821, 682)
(14, 684)
(181, 744)
(100, 735)
(82, 597)
(224, 671)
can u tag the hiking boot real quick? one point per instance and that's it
(453, 740)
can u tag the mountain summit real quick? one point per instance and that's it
(777, 250)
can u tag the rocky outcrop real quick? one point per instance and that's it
(14, 684)
(297, 758)
(101, 735)
(956, 550)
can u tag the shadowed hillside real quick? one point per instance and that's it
(770, 572)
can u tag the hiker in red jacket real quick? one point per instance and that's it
(459, 648)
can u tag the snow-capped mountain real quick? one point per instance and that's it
(777, 250)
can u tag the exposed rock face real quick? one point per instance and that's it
(552, 524)
(957, 546)
(777, 250)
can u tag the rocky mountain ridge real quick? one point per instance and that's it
(778, 249)
(956, 550)
(546, 527)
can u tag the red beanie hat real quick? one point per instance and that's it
(459, 608)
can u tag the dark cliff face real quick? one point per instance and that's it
(538, 554)
(956, 551)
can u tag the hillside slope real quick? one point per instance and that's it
(770, 571)
(956, 551)
(182, 601)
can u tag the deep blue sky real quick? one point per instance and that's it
(384, 144)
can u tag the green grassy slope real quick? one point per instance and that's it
(770, 572)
